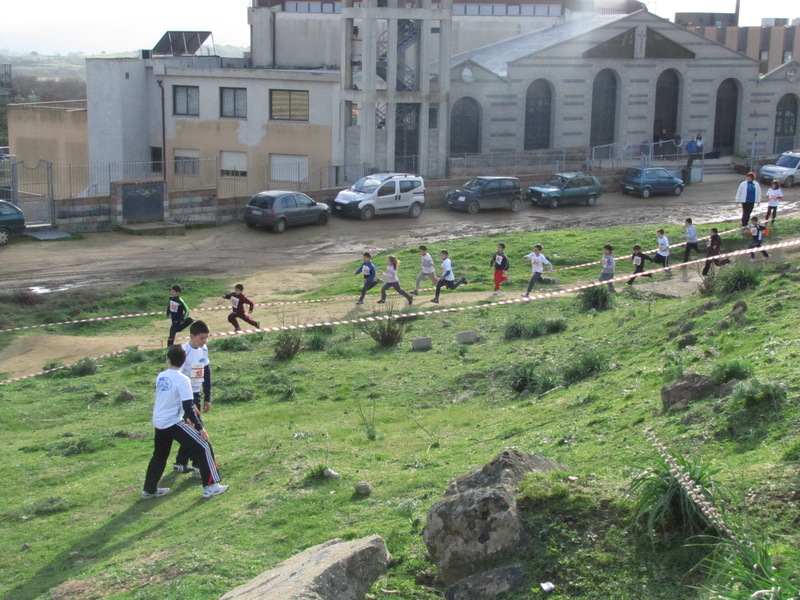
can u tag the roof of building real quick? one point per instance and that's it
(496, 56)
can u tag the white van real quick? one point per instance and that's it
(785, 169)
(382, 194)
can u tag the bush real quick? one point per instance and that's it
(584, 365)
(792, 453)
(727, 370)
(555, 325)
(317, 341)
(233, 343)
(736, 279)
(597, 298)
(85, 366)
(387, 332)
(755, 392)
(288, 344)
(532, 377)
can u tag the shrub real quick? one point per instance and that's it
(755, 392)
(555, 324)
(288, 344)
(53, 364)
(74, 447)
(597, 298)
(367, 418)
(387, 332)
(533, 377)
(134, 355)
(85, 366)
(233, 343)
(792, 453)
(727, 370)
(317, 341)
(342, 351)
(584, 365)
(736, 279)
(24, 298)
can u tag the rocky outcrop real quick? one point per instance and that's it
(487, 585)
(507, 468)
(335, 570)
(691, 387)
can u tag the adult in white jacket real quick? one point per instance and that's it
(749, 193)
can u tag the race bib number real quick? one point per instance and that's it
(498, 260)
(536, 262)
(365, 271)
(197, 373)
(234, 302)
(637, 260)
(605, 262)
(173, 306)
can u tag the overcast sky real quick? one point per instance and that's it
(93, 26)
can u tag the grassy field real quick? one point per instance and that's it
(408, 422)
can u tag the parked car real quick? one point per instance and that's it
(486, 192)
(566, 188)
(382, 194)
(12, 221)
(279, 209)
(650, 180)
(785, 169)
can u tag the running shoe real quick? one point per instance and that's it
(159, 492)
(215, 489)
(359, 302)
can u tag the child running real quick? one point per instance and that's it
(691, 240)
(662, 256)
(637, 258)
(197, 368)
(392, 264)
(369, 271)
(774, 195)
(448, 279)
(714, 249)
(609, 266)
(238, 302)
(757, 231)
(500, 263)
(427, 269)
(538, 261)
(174, 399)
(178, 312)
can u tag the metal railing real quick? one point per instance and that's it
(516, 163)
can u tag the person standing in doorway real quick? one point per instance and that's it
(749, 194)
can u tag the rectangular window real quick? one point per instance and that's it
(156, 160)
(233, 164)
(459, 9)
(527, 10)
(233, 102)
(741, 40)
(433, 117)
(513, 10)
(187, 162)
(186, 100)
(288, 105)
(286, 167)
(472, 9)
(353, 113)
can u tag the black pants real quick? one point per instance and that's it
(368, 285)
(183, 456)
(757, 244)
(450, 285)
(771, 210)
(660, 259)
(199, 450)
(177, 326)
(689, 247)
(639, 269)
(747, 210)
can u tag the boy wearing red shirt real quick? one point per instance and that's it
(238, 301)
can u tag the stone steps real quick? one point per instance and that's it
(158, 228)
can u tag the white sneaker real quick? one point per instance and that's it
(525, 295)
(752, 260)
(215, 489)
(185, 469)
(496, 292)
(159, 492)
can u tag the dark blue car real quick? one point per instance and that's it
(12, 221)
(650, 180)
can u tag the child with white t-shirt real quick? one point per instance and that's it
(609, 266)
(691, 240)
(538, 262)
(427, 269)
(448, 279)
(173, 401)
(774, 195)
(662, 256)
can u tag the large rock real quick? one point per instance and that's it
(487, 585)
(335, 570)
(465, 532)
(691, 387)
(507, 468)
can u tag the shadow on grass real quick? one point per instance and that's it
(95, 546)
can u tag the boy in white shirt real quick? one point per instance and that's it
(448, 279)
(538, 262)
(427, 269)
(173, 400)
(691, 240)
(662, 256)
(197, 368)
(609, 266)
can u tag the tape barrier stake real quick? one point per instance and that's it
(437, 311)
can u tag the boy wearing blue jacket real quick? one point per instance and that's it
(369, 271)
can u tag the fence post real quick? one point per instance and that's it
(753, 153)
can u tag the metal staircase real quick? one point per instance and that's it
(408, 34)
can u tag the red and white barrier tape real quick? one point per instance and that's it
(454, 309)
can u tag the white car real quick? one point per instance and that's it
(785, 169)
(382, 194)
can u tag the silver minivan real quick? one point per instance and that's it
(382, 194)
(785, 169)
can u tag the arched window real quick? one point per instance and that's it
(666, 108)
(786, 123)
(538, 115)
(725, 117)
(604, 108)
(465, 127)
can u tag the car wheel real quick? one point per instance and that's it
(678, 190)
(554, 203)
(591, 200)
(516, 205)
(625, 192)
(645, 193)
(367, 213)
(279, 227)
(250, 225)
(5, 235)
(322, 219)
(473, 208)
(415, 211)
(789, 182)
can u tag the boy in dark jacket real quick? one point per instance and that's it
(500, 263)
(714, 249)
(370, 279)
(638, 259)
(238, 302)
(178, 312)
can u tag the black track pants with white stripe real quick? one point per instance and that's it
(201, 454)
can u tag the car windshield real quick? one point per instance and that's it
(556, 181)
(474, 184)
(366, 185)
(787, 161)
(261, 201)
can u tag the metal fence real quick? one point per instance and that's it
(516, 163)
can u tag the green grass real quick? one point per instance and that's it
(75, 458)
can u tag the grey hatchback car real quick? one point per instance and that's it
(650, 180)
(278, 209)
(486, 192)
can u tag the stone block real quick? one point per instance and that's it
(487, 585)
(467, 337)
(421, 343)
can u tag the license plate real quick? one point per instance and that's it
(255, 212)
(628, 187)
(461, 198)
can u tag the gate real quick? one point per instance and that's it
(32, 191)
